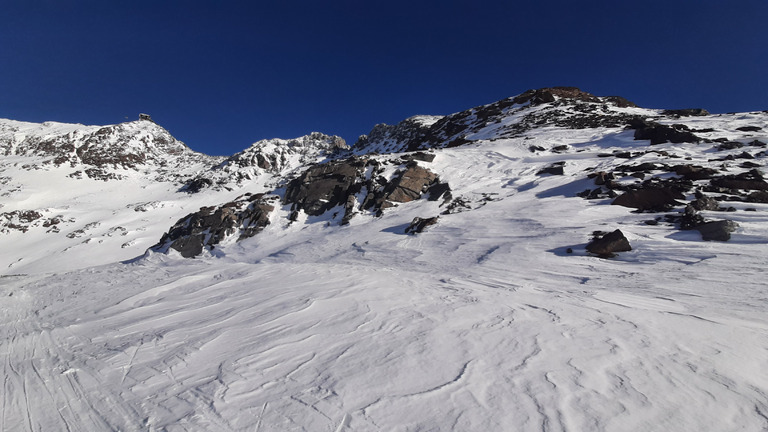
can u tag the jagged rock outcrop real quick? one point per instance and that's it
(418, 224)
(686, 112)
(244, 217)
(551, 94)
(384, 138)
(273, 157)
(751, 180)
(325, 186)
(102, 152)
(566, 107)
(356, 184)
(660, 133)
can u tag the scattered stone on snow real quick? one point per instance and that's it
(605, 245)
(659, 133)
(717, 230)
(650, 199)
(418, 224)
(556, 168)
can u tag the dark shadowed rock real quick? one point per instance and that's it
(619, 102)
(411, 184)
(418, 224)
(602, 177)
(705, 203)
(652, 199)
(246, 216)
(659, 133)
(687, 112)
(196, 185)
(694, 172)
(690, 218)
(439, 190)
(556, 168)
(730, 145)
(749, 128)
(717, 230)
(752, 180)
(325, 186)
(550, 94)
(607, 245)
(758, 197)
(338, 183)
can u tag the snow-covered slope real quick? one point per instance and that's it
(494, 318)
(74, 196)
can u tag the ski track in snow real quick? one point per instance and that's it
(483, 322)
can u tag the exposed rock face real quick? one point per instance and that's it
(659, 134)
(246, 216)
(409, 186)
(752, 180)
(687, 112)
(653, 199)
(705, 203)
(606, 245)
(340, 183)
(19, 220)
(99, 151)
(717, 230)
(568, 107)
(384, 138)
(274, 157)
(325, 186)
(546, 95)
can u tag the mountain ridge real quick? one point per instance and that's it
(185, 182)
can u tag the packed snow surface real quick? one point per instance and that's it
(484, 322)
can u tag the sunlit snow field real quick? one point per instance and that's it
(484, 322)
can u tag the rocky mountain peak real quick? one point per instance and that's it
(124, 145)
(271, 156)
(566, 107)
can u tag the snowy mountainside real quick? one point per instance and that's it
(102, 151)
(74, 196)
(566, 107)
(313, 302)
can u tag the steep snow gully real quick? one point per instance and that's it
(494, 318)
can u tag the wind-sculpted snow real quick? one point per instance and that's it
(494, 317)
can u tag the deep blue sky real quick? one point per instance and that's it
(220, 75)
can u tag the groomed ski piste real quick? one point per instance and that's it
(494, 319)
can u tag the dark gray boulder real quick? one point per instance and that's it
(606, 245)
(705, 203)
(652, 199)
(717, 230)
